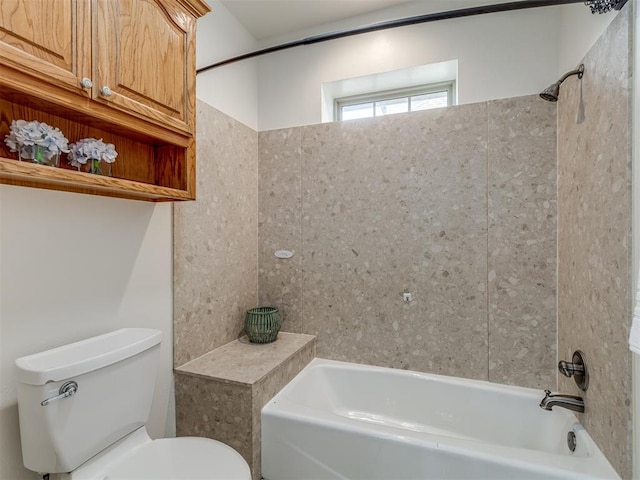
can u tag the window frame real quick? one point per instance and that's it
(395, 94)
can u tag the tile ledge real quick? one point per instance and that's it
(221, 365)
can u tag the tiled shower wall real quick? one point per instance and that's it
(594, 238)
(456, 206)
(215, 237)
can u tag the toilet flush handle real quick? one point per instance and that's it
(66, 390)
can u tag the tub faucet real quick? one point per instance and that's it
(570, 402)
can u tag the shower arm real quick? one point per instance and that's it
(579, 72)
(551, 93)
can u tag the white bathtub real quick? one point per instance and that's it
(339, 420)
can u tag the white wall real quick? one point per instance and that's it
(499, 55)
(232, 89)
(74, 266)
(579, 30)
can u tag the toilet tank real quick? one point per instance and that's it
(115, 374)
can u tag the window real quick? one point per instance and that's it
(395, 101)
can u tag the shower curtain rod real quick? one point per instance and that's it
(402, 22)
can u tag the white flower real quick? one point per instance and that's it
(25, 135)
(91, 149)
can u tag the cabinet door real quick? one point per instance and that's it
(47, 39)
(144, 59)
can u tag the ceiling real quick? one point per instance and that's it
(271, 18)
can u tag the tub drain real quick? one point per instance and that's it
(571, 441)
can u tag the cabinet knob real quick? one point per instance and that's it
(105, 91)
(86, 82)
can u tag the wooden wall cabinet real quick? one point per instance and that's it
(119, 70)
(47, 39)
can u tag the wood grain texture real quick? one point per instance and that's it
(196, 8)
(190, 78)
(13, 172)
(136, 160)
(17, 87)
(144, 50)
(46, 45)
(190, 169)
(153, 166)
(170, 172)
(142, 57)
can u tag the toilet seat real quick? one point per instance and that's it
(182, 458)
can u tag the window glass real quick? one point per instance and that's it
(429, 100)
(353, 112)
(396, 105)
(395, 101)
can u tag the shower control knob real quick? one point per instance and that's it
(577, 369)
(105, 91)
(86, 83)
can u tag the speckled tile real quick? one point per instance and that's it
(280, 224)
(391, 205)
(217, 410)
(522, 242)
(215, 237)
(594, 218)
(400, 203)
(245, 363)
(221, 394)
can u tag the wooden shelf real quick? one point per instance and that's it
(14, 172)
(99, 73)
(142, 171)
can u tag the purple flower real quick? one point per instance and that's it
(23, 136)
(91, 149)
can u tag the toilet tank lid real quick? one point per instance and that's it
(85, 356)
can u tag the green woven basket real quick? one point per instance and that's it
(262, 324)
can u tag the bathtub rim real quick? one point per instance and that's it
(282, 406)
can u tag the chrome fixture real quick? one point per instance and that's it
(572, 442)
(551, 93)
(68, 389)
(570, 402)
(603, 6)
(86, 82)
(576, 369)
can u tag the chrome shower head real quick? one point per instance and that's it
(551, 93)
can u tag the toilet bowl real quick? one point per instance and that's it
(137, 457)
(83, 409)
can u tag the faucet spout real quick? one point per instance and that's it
(570, 402)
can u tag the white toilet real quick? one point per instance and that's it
(83, 409)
